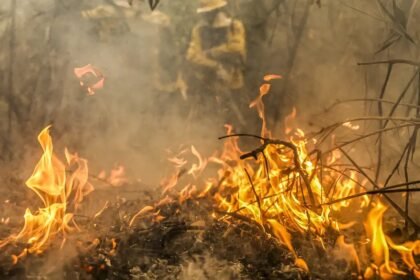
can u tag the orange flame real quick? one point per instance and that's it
(274, 197)
(285, 191)
(117, 176)
(258, 103)
(196, 169)
(55, 189)
(347, 252)
(382, 265)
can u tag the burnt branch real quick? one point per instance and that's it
(392, 61)
(267, 142)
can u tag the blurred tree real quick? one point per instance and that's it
(174, 30)
(257, 16)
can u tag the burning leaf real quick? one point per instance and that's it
(270, 77)
(85, 74)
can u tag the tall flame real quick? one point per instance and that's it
(55, 189)
(380, 248)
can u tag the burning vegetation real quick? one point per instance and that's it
(60, 193)
(279, 193)
(285, 202)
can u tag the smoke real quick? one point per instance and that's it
(136, 122)
(208, 267)
(133, 122)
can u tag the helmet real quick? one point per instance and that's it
(122, 3)
(210, 5)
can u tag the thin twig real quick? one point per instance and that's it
(395, 106)
(339, 102)
(366, 136)
(266, 142)
(380, 111)
(257, 197)
(372, 192)
(375, 186)
(392, 61)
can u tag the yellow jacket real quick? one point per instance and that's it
(229, 56)
(110, 20)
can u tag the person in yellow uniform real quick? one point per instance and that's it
(217, 53)
(110, 19)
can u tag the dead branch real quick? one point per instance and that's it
(372, 192)
(376, 187)
(395, 106)
(339, 102)
(392, 61)
(381, 125)
(257, 197)
(366, 136)
(266, 142)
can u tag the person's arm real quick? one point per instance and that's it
(195, 53)
(235, 43)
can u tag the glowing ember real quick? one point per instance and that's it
(57, 191)
(351, 126)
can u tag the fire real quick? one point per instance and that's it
(347, 252)
(287, 191)
(281, 189)
(60, 193)
(116, 178)
(196, 169)
(380, 246)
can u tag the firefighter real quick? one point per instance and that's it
(217, 55)
(110, 19)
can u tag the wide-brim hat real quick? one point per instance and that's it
(122, 3)
(210, 5)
